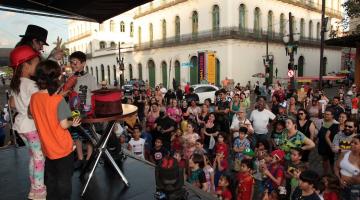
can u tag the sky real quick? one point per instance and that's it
(14, 24)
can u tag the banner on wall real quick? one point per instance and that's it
(211, 71)
(201, 64)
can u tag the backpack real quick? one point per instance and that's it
(169, 178)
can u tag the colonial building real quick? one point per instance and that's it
(162, 40)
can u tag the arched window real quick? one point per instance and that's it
(177, 28)
(270, 23)
(195, 23)
(122, 26)
(164, 30)
(130, 72)
(101, 27)
(102, 45)
(310, 29)
(282, 24)
(216, 18)
(108, 75)
(151, 34)
(140, 71)
(112, 26)
(92, 71)
(318, 31)
(139, 35)
(152, 77)
(113, 45)
(132, 29)
(242, 17)
(302, 27)
(257, 20)
(87, 69)
(102, 72)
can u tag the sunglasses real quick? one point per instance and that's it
(301, 113)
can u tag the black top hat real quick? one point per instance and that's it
(36, 32)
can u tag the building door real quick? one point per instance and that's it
(130, 72)
(301, 66)
(177, 72)
(140, 71)
(151, 67)
(324, 68)
(164, 74)
(194, 70)
(217, 72)
(102, 73)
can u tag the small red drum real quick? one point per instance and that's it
(106, 102)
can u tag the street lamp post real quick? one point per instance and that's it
(291, 44)
(268, 63)
(120, 62)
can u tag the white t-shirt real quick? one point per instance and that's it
(260, 120)
(137, 147)
(22, 123)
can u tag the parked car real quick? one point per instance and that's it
(205, 91)
(128, 88)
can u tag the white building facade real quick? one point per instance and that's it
(162, 39)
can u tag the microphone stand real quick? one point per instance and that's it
(11, 119)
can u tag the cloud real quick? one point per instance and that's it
(6, 42)
(6, 15)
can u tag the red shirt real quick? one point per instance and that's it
(330, 196)
(245, 187)
(176, 144)
(224, 193)
(187, 89)
(355, 103)
(222, 148)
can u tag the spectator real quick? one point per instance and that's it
(308, 181)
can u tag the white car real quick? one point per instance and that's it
(205, 91)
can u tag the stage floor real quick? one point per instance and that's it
(106, 184)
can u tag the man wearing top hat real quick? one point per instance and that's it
(35, 36)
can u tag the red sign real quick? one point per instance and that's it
(290, 73)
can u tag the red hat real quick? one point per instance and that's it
(22, 54)
(280, 154)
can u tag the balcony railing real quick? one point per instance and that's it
(222, 34)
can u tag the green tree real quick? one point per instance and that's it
(352, 8)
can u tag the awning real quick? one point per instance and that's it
(89, 10)
(347, 41)
(316, 78)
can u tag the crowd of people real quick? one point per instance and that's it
(244, 143)
(236, 148)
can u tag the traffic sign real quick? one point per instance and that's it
(290, 73)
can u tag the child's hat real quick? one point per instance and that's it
(280, 154)
(248, 152)
(22, 54)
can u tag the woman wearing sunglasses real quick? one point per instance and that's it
(307, 127)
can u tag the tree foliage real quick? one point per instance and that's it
(352, 8)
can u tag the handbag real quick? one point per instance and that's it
(212, 142)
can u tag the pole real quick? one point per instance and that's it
(322, 44)
(291, 54)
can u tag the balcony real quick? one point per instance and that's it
(311, 5)
(222, 34)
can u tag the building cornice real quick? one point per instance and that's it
(311, 5)
(150, 10)
(78, 37)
